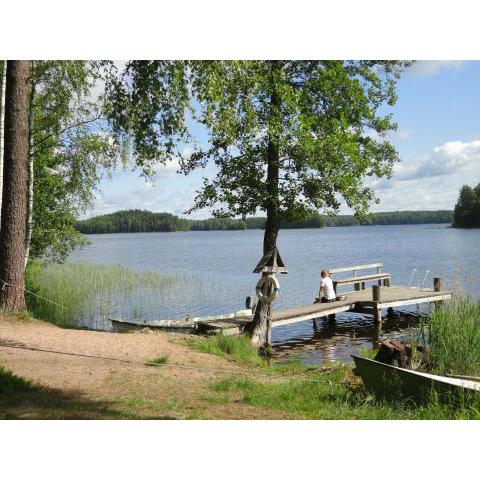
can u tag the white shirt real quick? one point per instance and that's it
(328, 291)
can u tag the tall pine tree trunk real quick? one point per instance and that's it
(260, 327)
(12, 235)
(28, 235)
(3, 79)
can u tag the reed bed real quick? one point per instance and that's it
(83, 294)
(453, 337)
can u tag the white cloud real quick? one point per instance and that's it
(431, 67)
(447, 159)
(432, 181)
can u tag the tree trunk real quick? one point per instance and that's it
(3, 79)
(260, 327)
(12, 235)
(28, 235)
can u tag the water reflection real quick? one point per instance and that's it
(321, 340)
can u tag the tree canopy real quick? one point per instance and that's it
(467, 210)
(327, 128)
(71, 149)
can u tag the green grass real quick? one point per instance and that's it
(308, 392)
(161, 360)
(12, 384)
(84, 293)
(234, 347)
(325, 396)
(453, 333)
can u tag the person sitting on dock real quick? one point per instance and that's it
(327, 292)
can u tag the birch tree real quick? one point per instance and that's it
(288, 138)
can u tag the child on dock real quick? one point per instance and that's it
(327, 293)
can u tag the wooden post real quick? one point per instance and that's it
(377, 311)
(437, 286)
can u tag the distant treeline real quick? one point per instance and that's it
(129, 221)
(467, 209)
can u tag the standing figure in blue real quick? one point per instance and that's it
(327, 292)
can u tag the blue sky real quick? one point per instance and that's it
(438, 139)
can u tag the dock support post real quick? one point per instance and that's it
(377, 311)
(437, 286)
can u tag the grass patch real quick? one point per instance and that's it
(453, 333)
(85, 294)
(325, 396)
(234, 347)
(161, 360)
(12, 384)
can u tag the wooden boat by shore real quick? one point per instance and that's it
(388, 381)
(229, 323)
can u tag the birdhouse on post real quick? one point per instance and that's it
(271, 262)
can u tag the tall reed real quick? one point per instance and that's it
(83, 294)
(454, 337)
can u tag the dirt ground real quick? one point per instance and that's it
(91, 378)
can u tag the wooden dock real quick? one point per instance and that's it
(360, 301)
(371, 301)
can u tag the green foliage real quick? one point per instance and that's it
(85, 292)
(392, 218)
(467, 209)
(325, 123)
(71, 148)
(235, 347)
(133, 221)
(218, 224)
(454, 338)
(145, 221)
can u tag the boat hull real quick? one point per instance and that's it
(122, 326)
(394, 383)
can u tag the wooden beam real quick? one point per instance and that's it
(312, 315)
(356, 267)
(363, 278)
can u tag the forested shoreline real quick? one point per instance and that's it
(467, 208)
(134, 221)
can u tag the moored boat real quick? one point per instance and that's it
(188, 324)
(388, 381)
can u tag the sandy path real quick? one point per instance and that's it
(108, 388)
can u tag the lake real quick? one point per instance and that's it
(216, 268)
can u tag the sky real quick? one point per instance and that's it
(438, 140)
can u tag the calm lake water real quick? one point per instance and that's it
(216, 268)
